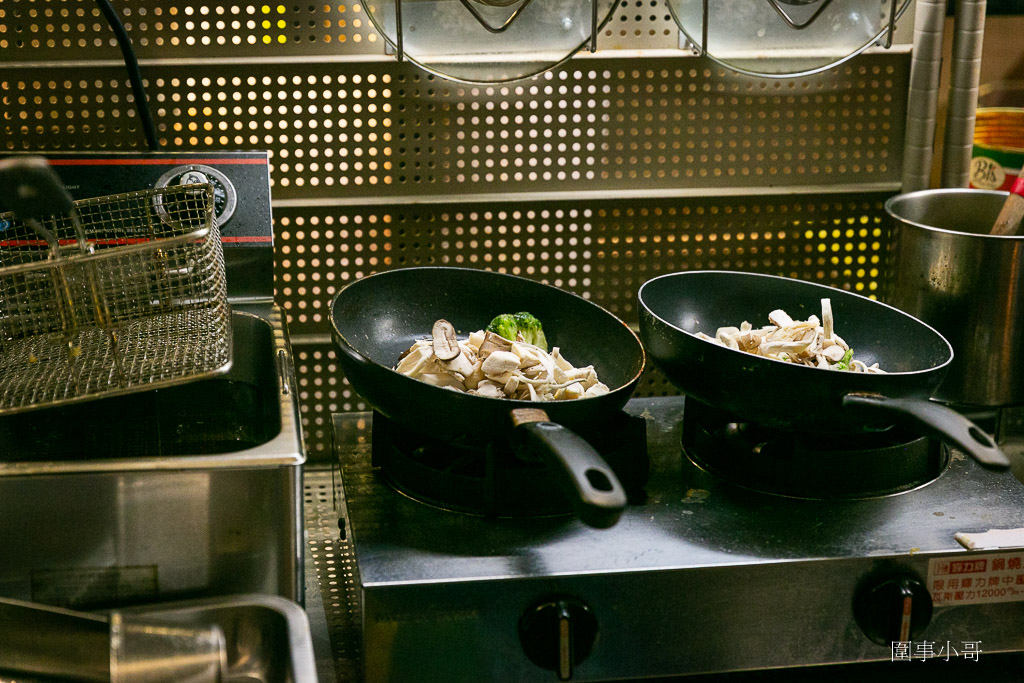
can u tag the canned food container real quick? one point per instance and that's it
(967, 284)
(998, 148)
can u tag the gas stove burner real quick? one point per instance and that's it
(811, 466)
(489, 479)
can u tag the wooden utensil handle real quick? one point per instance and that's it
(1009, 221)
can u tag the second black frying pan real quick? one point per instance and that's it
(377, 318)
(674, 307)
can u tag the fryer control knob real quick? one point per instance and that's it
(558, 634)
(893, 609)
(225, 196)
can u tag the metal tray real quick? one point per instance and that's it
(267, 637)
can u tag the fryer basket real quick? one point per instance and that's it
(125, 293)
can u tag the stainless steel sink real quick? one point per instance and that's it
(185, 492)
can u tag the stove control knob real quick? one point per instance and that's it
(558, 634)
(894, 609)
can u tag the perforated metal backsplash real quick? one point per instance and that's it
(615, 167)
(602, 250)
(385, 129)
(60, 30)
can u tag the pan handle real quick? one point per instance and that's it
(938, 421)
(597, 496)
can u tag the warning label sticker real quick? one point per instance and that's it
(973, 579)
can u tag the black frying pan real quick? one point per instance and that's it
(378, 317)
(788, 396)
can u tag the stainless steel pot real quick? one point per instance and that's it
(968, 285)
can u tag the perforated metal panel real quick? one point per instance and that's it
(637, 160)
(334, 566)
(602, 250)
(360, 130)
(61, 30)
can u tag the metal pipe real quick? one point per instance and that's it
(965, 75)
(923, 95)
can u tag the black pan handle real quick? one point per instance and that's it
(938, 421)
(597, 496)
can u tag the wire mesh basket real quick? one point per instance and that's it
(125, 293)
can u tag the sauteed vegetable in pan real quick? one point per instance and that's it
(810, 342)
(498, 366)
(675, 308)
(377, 318)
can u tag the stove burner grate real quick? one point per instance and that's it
(811, 466)
(490, 479)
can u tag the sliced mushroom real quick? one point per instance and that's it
(780, 318)
(582, 374)
(574, 390)
(834, 353)
(474, 378)
(486, 364)
(536, 371)
(414, 361)
(460, 365)
(476, 339)
(749, 340)
(491, 343)
(500, 362)
(489, 389)
(727, 336)
(445, 343)
(827, 321)
(810, 342)
(791, 348)
(560, 360)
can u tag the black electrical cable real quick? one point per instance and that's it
(134, 76)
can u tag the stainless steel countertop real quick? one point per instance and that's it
(691, 519)
(867, 526)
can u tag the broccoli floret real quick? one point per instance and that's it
(516, 326)
(531, 329)
(844, 364)
(504, 325)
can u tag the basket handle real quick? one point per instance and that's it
(29, 188)
(33, 191)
